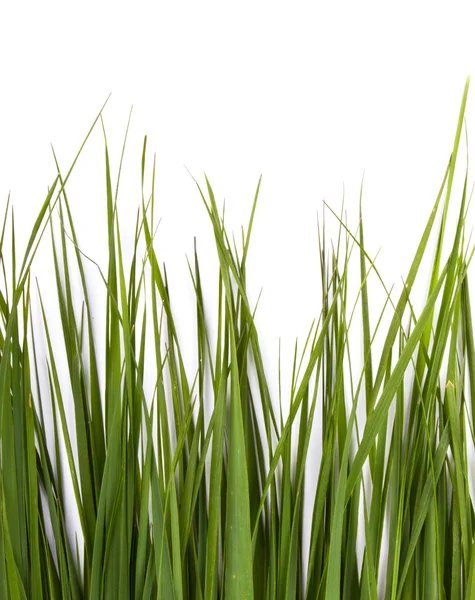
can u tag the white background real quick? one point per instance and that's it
(311, 98)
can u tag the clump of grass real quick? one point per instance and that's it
(198, 491)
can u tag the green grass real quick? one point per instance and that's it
(198, 490)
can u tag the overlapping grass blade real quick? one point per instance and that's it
(200, 490)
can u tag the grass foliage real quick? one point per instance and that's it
(198, 491)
